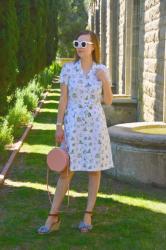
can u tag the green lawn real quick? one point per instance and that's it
(126, 217)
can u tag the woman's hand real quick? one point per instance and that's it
(59, 137)
(101, 75)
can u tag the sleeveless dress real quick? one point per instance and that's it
(86, 137)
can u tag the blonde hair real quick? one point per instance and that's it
(95, 40)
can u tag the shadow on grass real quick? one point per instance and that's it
(121, 225)
(53, 97)
(125, 217)
(46, 117)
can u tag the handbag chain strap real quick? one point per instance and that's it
(49, 196)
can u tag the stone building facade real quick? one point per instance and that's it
(132, 36)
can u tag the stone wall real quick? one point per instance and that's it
(136, 54)
(121, 46)
(151, 59)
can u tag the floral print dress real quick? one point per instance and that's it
(86, 136)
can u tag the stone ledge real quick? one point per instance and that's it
(122, 110)
(125, 134)
(138, 157)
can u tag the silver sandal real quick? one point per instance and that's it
(54, 227)
(84, 227)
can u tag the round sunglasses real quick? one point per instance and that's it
(80, 44)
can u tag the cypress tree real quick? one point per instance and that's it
(8, 51)
(52, 30)
(25, 42)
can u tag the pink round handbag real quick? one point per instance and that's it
(57, 160)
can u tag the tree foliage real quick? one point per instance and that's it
(72, 19)
(29, 34)
(8, 49)
(28, 42)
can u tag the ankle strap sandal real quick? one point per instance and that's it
(56, 214)
(89, 212)
(54, 227)
(84, 227)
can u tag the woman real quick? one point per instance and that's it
(85, 135)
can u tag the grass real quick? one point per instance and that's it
(126, 217)
(4, 156)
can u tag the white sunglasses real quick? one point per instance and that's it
(80, 44)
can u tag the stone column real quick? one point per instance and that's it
(97, 19)
(108, 34)
(164, 97)
(109, 37)
(94, 15)
(90, 18)
(92, 23)
(128, 46)
(135, 49)
(103, 30)
(114, 44)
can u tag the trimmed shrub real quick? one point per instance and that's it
(45, 77)
(19, 115)
(55, 68)
(35, 87)
(6, 134)
(30, 99)
(30, 94)
(22, 101)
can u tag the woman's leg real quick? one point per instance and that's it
(93, 187)
(61, 189)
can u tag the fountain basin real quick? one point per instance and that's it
(139, 152)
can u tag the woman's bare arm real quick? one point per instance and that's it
(62, 103)
(106, 88)
(107, 92)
